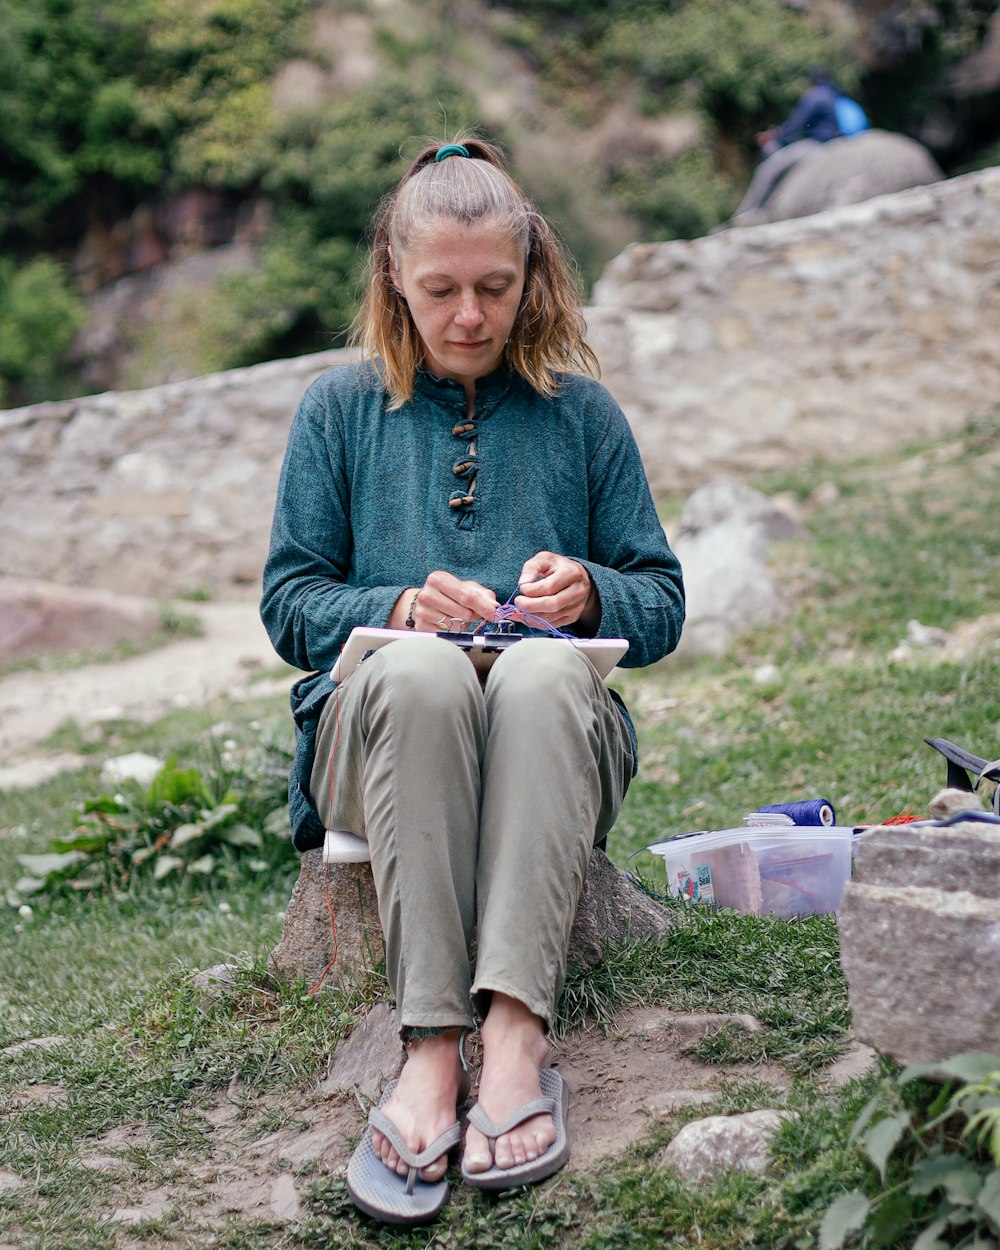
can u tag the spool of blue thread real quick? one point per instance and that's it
(805, 812)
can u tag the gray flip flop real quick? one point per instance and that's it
(555, 1102)
(384, 1194)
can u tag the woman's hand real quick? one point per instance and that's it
(560, 591)
(443, 602)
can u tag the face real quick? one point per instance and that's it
(463, 285)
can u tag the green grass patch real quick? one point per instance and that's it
(786, 973)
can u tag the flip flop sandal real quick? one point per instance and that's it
(555, 1102)
(384, 1194)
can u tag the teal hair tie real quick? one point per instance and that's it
(450, 149)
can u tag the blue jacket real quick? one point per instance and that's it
(364, 510)
(814, 117)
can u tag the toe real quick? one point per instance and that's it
(434, 1171)
(477, 1154)
(387, 1153)
(510, 1151)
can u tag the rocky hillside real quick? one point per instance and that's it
(203, 173)
(798, 342)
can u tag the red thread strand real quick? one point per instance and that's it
(906, 817)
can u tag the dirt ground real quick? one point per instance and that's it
(620, 1081)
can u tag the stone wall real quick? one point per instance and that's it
(821, 338)
(800, 341)
(158, 492)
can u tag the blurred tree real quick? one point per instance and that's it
(39, 314)
(332, 170)
(139, 92)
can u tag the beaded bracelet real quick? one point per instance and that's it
(410, 622)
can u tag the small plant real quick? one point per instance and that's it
(185, 823)
(937, 1155)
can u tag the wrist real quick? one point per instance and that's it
(410, 621)
(590, 617)
(402, 609)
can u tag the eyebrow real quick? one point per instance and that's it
(506, 272)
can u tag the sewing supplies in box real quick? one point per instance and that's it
(789, 859)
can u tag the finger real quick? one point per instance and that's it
(556, 615)
(561, 598)
(566, 578)
(446, 597)
(563, 578)
(538, 567)
(556, 574)
(560, 609)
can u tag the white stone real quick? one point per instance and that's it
(286, 1206)
(10, 1182)
(136, 766)
(721, 1142)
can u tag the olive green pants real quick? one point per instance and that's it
(480, 808)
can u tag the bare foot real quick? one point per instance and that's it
(423, 1103)
(514, 1050)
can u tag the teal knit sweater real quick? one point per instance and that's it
(371, 501)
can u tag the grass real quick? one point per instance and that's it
(901, 538)
(785, 973)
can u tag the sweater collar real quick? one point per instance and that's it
(489, 389)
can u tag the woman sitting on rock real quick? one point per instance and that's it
(467, 471)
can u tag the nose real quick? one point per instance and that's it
(469, 313)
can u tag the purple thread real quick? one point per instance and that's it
(506, 611)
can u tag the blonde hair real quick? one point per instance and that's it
(548, 332)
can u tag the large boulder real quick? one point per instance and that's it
(920, 939)
(41, 618)
(723, 542)
(848, 171)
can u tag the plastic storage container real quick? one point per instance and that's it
(780, 870)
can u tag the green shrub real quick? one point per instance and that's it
(136, 91)
(935, 1157)
(744, 64)
(225, 821)
(213, 60)
(39, 315)
(681, 198)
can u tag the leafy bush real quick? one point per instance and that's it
(936, 1152)
(333, 169)
(226, 821)
(135, 91)
(212, 64)
(744, 64)
(39, 315)
(681, 198)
